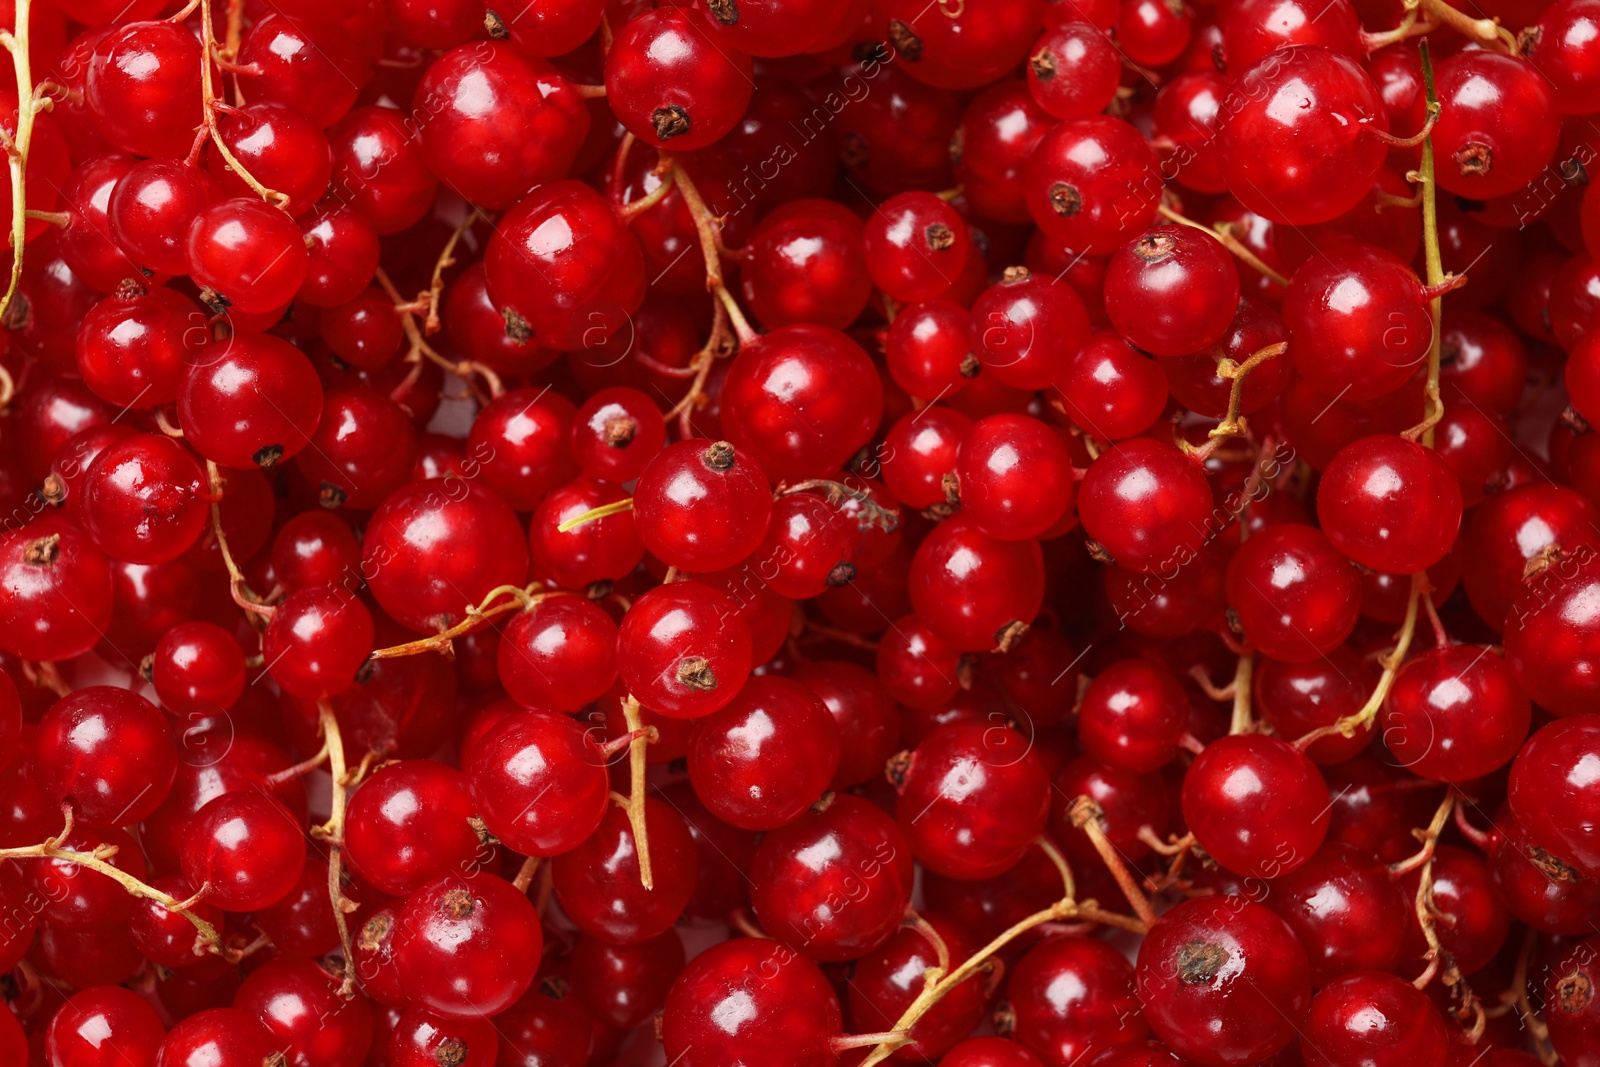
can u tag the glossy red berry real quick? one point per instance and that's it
(670, 85)
(976, 591)
(218, 1036)
(1548, 793)
(1498, 125)
(538, 781)
(1256, 805)
(1223, 981)
(317, 641)
(1172, 290)
(143, 499)
(1146, 504)
(558, 655)
(1455, 714)
(972, 799)
(467, 946)
(106, 752)
(1073, 997)
(300, 1004)
(409, 823)
(683, 651)
(143, 88)
(1132, 715)
(1378, 486)
(1092, 183)
(1014, 476)
(915, 246)
(1073, 70)
(104, 1025)
(1025, 329)
(600, 887)
(255, 404)
(1346, 910)
(1294, 596)
(1375, 1018)
(247, 847)
(702, 507)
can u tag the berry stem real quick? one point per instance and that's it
(332, 832)
(421, 349)
(255, 607)
(604, 511)
(932, 936)
(637, 750)
(303, 767)
(1230, 242)
(873, 514)
(208, 114)
(1434, 406)
(1347, 726)
(705, 224)
(1519, 991)
(1069, 885)
(524, 878)
(1086, 815)
(1242, 722)
(206, 937)
(669, 181)
(1484, 31)
(16, 42)
(1235, 373)
(475, 615)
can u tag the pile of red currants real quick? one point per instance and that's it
(800, 533)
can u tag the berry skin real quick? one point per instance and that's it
(916, 245)
(702, 507)
(1172, 290)
(1294, 146)
(1025, 329)
(753, 1001)
(1015, 477)
(976, 591)
(103, 1025)
(670, 85)
(317, 642)
(247, 847)
(972, 799)
(683, 651)
(1379, 486)
(144, 499)
(410, 823)
(1370, 1017)
(106, 752)
(1145, 504)
(1226, 803)
(538, 781)
(1092, 183)
(835, 882)
(1548, 797)
(467, 946)
(559, 655)
(255, 405)
(599, 886)
(1295, 597)
(1223, 981)
(1132, 715)
(1455, 714)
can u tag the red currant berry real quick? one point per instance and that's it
(467, 947)
(1226, 804)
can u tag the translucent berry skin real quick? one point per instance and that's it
(1296, 698)
(434, 548)
(1092, 183)
(1113, 390)
(1346, 910)
(1293, 145)
(299, 1002)
(256, 404)
(1498, 125)
(1296, 598)
(1223, 981)
(598, 883)
(1015, 476)
(806, 265)
(1358, 322)
(143, 88)
(991, 1052)
(248, 847)
(1562, 49)
(1455, 713)
(600, 550)
(919, 450)
(150, 210)
(616, 433)
(538, 781)
(134, 352)
(1073, 998)
(467, 946)
(1511, 528)
(495, 123)
(993, 143)
(341, 257)
(1256, 805)
(973, 589)
(364, 448)
(1550, 792)
(218, 1036)
(1172, 290)
(833, 884)
(317, 641)
(144, 499)
(1390, 504)
(1146, 504)
(762, 760)
(1552, 634)
(1571, 1003)
(564, 261)
(280, 147)
(409, 824)
(101, 1026)
(249, 252)
(683, 650)
(750, 1001)
(198, 667)
(915, 246)
(558, 655)
(1073, 70)
(422, 1039)
(974, 797)
(801, 400)
(1132, 715)
(916, 665)
(380, 168)
(1376, 1018)
(105, 751)
(523, 435)
(1025, 329)
(670, 85)
(623, 985)
(1474, 924)
(1538, 888)
(702, 507)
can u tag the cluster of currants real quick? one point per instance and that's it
(800, 533)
